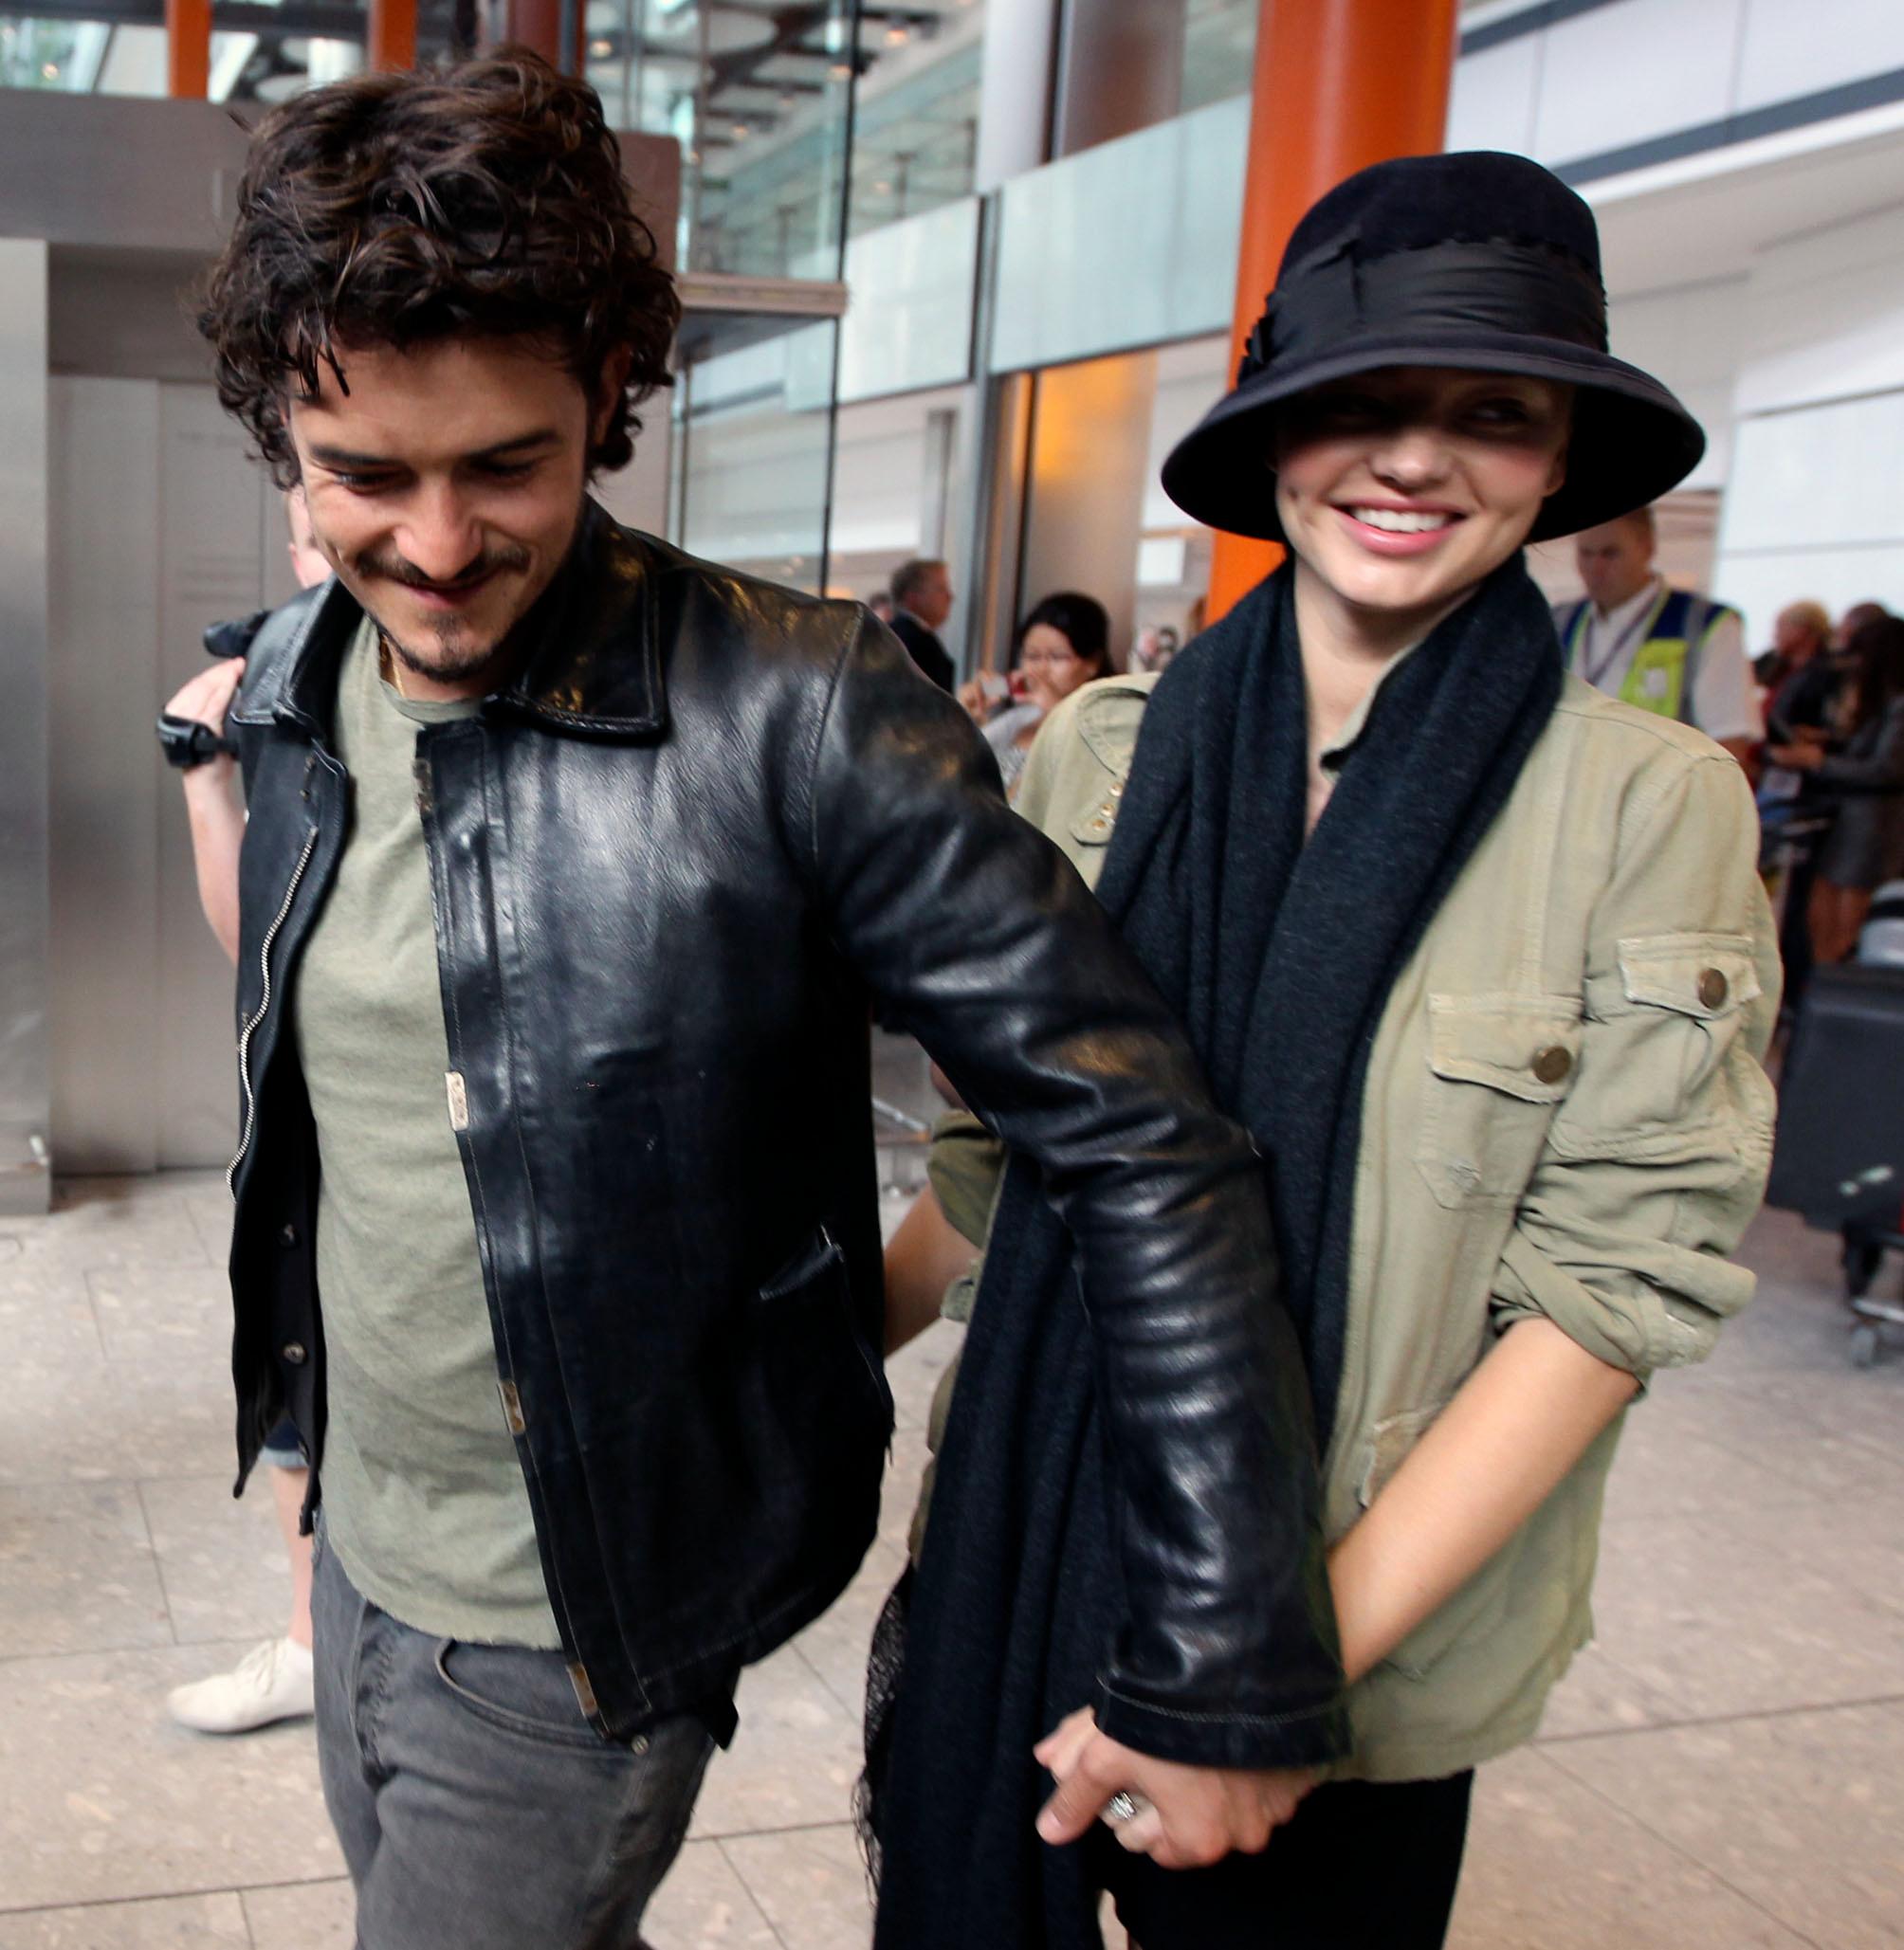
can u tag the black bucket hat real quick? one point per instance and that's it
(1478, 260)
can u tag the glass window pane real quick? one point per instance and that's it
(65, 55)
(752, 463)
(257, 64)
(1173, 557)
(916, 135)
(759, 98)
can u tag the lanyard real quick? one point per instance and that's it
(1648, 615)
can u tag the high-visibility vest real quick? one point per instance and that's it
(1665, 668)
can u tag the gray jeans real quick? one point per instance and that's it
(478, 1810)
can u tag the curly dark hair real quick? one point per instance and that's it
(395, 208)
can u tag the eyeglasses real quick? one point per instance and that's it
(1030, 660)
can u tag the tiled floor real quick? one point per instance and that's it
(1723, 1771)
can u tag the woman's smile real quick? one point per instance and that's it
(1399, 528)
(1403, 488)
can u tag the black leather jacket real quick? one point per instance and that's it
(674, 863)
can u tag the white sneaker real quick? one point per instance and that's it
(271, 1682)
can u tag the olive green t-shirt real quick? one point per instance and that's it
(424, 1498)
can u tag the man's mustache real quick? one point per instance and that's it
(394, 568)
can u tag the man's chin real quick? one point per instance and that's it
(445, 650)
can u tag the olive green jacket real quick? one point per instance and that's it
(1564, 1116)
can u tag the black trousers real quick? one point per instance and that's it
(1362, 1865)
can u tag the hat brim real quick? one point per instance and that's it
(1632, 441)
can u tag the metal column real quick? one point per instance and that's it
(25, 1178)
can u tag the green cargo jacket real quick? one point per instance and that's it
(1564, 1116)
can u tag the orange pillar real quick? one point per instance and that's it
(1339, 84)
(393, 33)
(538, 24)
(188, 46)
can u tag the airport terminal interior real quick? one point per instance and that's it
(956, 277)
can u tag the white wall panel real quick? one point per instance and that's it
(1819, 477)
(1630, 72)
(637, 495)
(755, 489)
(1689, 339)
(908, 323)
(883, 474)
(1711, 406)
(1191, 378)
(1791, 49)
(1826, 318)
(1496, 96)
(1762, 585)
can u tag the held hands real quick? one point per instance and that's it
(1805, 757)
(1195, 1815)
(205, 701)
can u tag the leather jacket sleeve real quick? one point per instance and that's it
(978, 936)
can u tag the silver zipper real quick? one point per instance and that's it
(258, 1015)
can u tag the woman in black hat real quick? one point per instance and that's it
(1482, 960)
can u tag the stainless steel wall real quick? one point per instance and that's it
(102, 556)
(24, 1180)
(130, 517)
(159, 526)
(221, 535)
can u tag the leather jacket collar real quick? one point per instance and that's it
(594, 666)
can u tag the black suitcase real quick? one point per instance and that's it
(1839, 1155)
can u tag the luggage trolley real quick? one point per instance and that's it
(1839, 1156)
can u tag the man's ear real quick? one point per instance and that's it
(613, 383)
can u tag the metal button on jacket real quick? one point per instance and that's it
(1714, 988)
(1552, 1065)
(294, 1352)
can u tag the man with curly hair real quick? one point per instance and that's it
(573, 868)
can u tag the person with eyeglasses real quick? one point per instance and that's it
(1063, 644)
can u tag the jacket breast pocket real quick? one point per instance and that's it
(1682, 1003)
(1499, 1065)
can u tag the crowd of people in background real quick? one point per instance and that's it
(1816, 720)
(1831, 793)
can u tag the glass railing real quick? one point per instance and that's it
(61, 54)
(916, 137)
(760, 101)
(1220, 48)
(763, 101)
(258, 62)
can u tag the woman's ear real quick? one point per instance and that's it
(1557, 473)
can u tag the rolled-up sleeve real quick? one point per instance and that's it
(1658, 1158)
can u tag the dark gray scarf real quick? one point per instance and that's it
(1279, 957)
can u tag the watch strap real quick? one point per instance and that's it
(186, 743)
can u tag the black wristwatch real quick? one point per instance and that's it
(186, 742)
